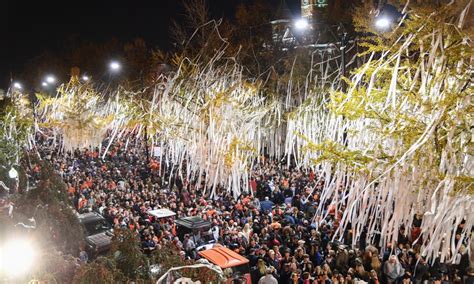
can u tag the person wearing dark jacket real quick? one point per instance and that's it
(421, 270)
(266, 205)
(285, 274)
(278, 197)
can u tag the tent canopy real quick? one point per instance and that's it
(223, 257)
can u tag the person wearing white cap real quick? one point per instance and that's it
(268, 278)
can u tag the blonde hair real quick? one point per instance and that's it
(261, 266)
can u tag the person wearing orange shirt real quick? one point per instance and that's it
(173, 229)
(275, 225)
(82, 202)
(239, 206)
(112, 185)
(311, 176)
(246, 200)
(210, 212)
(71, 190)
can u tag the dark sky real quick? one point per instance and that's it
(35, 26)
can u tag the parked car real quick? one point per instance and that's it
(98, 233)
(196, 227)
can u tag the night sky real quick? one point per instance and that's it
(37, 26)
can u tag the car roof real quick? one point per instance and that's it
(193, 222)
(89, 217)
(223, 257)
(161, 213)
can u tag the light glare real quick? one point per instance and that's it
(301, 24)
(44, 84)
(115, 66)
(382, 23)
(20, 254)
(85, 78)
(50, 79)
(17, 85)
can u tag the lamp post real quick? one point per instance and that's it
(115, 68)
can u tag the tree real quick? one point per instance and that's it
(408, 117)
(103, 269)
(46, 201)
(16, 121)
(128, 257)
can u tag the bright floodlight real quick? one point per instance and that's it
(383, 23)
(85, 78)
(13, 173)
(18, 256)
(114, 66)
(17, 85)
(50, 79)
(301, 24)
(44, 84)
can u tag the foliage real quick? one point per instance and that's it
(425, 87)
(101, 268)
(127, 256)
(56, 267)
(56, 223)
(408, 119)
(167, 257)
(16, 121)
(78, 112)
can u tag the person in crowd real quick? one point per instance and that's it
(393, 270)
(268, 278)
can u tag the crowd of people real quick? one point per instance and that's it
(274, 226)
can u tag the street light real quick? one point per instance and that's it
(383, 22)
(301, 24)
(387, 15)
(44, 84)
(114, 66)
(85, 78)
(17, 85)
(50, 79)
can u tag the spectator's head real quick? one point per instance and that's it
(393, 259)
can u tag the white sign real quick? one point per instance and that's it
(156, 151)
